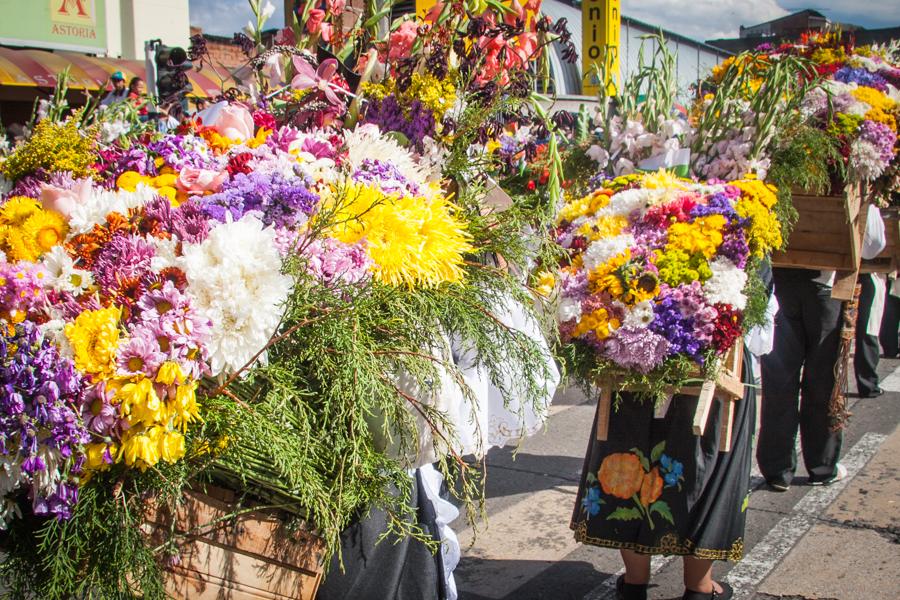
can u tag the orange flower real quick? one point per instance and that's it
(651, 487)
(621, 475)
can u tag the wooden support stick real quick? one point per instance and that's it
(663, 408)
(704, 402)
(603, 408)
(727, 425)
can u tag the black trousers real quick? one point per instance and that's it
(890, 322)
(798, 377)
(865, 359)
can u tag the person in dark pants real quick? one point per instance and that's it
(865, 358)
(890, 322)
(797, 380)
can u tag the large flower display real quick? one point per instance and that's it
(261, 294)
(655, 275)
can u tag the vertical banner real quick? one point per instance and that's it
(600, 26)
(423, 6)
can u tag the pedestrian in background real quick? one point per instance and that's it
(119, 91)
(889, 334)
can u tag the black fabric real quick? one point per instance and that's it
(702, 514)
(797, 379)
(389, 570)
(889, 334)
(865, 357)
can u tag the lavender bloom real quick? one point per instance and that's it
(636, 348)
(124, 257)
(334, 262)
(386, 176)
(281, 201)
(880, 136)
(40, 424)
(678, 329)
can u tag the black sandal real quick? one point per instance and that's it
(726, 594)
(630, 591)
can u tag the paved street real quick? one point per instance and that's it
(837, 542)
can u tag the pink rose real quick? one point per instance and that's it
(197, 181)
(229, 120)
(401, 41)
(64, 200)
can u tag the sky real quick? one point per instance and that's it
(699, 19)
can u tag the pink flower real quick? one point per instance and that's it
(335, 7)
(64, 200)
(432, 15)
(402, 40)
(199, 181)
(308, 78)
(229, 120)
(314, 20)
(533, 6)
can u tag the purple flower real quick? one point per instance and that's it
(636, 348)
(415, 122)
(880, 136)
(861, 76)
(285, 202)
(124, 257)
(140, 353)
(334, 262)
(386, 175)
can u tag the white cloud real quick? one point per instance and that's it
(225, 17)
(703, 19)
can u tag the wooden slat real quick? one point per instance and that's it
(726, 427)
(662, 408)
(603, 408)
(704, 403)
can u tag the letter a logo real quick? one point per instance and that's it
(76, 12)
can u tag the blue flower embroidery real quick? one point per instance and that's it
(591, 501)
(672, 470)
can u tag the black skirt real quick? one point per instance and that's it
(655, 488)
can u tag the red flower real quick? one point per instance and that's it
(531, 185)
(728, 328)
(263, 119)
(238, 164)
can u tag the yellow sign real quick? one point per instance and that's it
(601, 22)
(423, 6)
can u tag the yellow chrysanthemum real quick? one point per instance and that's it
(17, 210)
(603, 227)
(413, 241)
(757, 190)
(184, 408)
(129, 180)
(94, 336)
(663, 180)
(703, 236)
(545, 283)
(599, 322)
(140, 403)
(141, 447)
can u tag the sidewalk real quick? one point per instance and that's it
(853, 550)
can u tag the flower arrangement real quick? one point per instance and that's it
(856, 102)
(656, 276)
(262, 296)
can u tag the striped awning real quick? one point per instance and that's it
(39, 68)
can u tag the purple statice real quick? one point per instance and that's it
(676, 327)
(574, 285)
(179, 151)
(386, 176)
(734, 245)
(114, 160)
(718, 204)
(334, 262)
(636, 348)
(282, 201)
(124, 258)
(41, 432)
(860, 76)
(416, 122)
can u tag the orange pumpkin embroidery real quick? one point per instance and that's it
(621, 475)
(651, 487)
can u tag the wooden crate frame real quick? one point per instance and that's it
(828, 236)
(888, 260)
(727, 388)
(252, 556)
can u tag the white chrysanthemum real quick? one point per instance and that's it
(726, 286)
(85, 215)
(568, 309)
(600, 251)
(626, 202)
(62, 274)
(55, 331)
(433, 158)
(639, 316)
(235, 280)
(112, 130)
(865, 160)
(165, 253)
(367, 142)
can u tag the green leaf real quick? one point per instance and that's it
(625, 514)
(662, 509)
(591, 478)
(644, 462)
(657, 451)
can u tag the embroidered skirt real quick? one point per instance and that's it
(656, 488)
